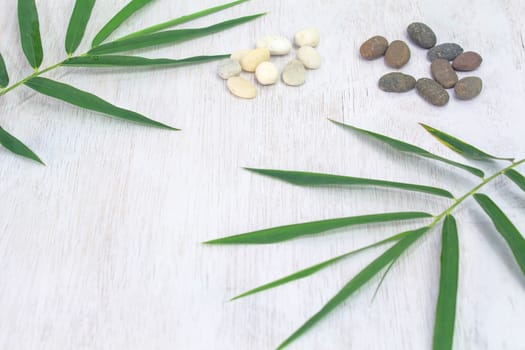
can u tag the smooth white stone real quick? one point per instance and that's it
(241, 87)
(267, 73)
(307, 37)
(228, 68)
(310, 57)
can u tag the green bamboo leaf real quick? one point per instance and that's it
(4, 77)
(459, 146)
(409, 148)
(78, 23)
(167, 37)
(389, 267)
(134, 61)
(317, 179)
(284, 233)
(117, 20)
(516, 177)
(16, 146)
(505, 227)
(88, 101)
(30, 32)
(448, 287)
(181, 20)
(357, 282)
(318, 267)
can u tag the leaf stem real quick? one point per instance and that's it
(461, 199)
(29, 77)
(456, 203)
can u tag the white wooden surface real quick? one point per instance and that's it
(100, 249)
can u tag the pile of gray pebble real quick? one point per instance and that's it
(446, 60)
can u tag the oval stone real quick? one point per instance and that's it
(447, 51)
(468, 88)
(443, 73)
(241, 87)
(308, 37)
(310, 57)
(374, 47)
(267, 73)
(467, 61)
(294, 73)
(397, 82)
(432, 92)
(397, 54)
(228, 68)
(253, 58)
(422, 35)
(278, 45)
(237, 55)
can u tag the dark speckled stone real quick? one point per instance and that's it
(443, 73)
(447, 51)
(422, 35)
(468, 88)
(432, 92)
(397, 82)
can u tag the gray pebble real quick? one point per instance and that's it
(422, 35)
(468, 88)
(228, 68)
(447, 51)
(443, 73)
(397, 82)
(432, 92)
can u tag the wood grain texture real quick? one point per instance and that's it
(100, 249)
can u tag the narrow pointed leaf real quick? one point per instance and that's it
(317, 179)
(30, 32)
(284, 233)
(78, 23)
(167, 37)
(17, 147)
(88, 101)
(115, 22)
(505, 227)
(461, 147)
(517, 178)
(383, 278)
(318, 267)
(181, 20)
(357, 282)
(134, 61)
(448, 287)
(409, 148)
(4, 77)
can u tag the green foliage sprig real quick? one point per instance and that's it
(446, 303)
(102, 55)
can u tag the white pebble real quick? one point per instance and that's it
(228, 68)
(241, 87)
(307, 37)
(277, 45)
(253, 58)
(267, 73)
(239, 54)
(310, 57)
(294, 73)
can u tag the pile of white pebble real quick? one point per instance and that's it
(266, 72)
